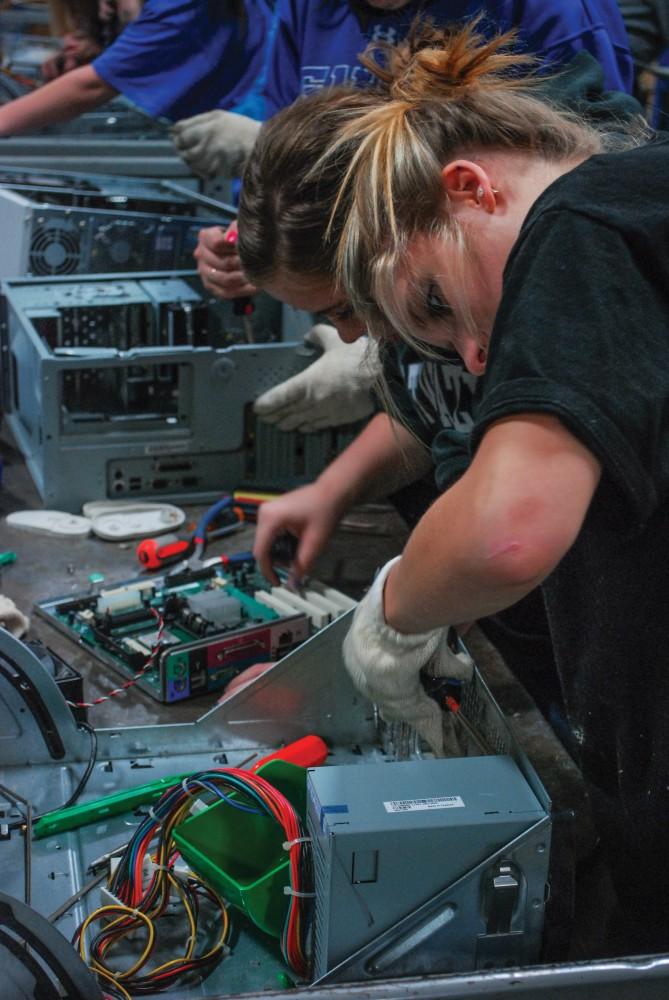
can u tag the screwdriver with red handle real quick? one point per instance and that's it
(155, 553)
(243, 305)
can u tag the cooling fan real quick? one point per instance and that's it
(55, 249)
(117, 246)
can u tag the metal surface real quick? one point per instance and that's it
(307, 692)
(112, 155)
(294, 698)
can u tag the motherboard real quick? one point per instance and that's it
(190, 632)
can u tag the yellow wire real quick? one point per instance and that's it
(105, 975)
(193, 932)
(126, 912)
(164, 879)
(217, 947)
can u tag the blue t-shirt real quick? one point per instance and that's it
(180, 58)
(317, 41)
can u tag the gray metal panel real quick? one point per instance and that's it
(15, 215)
(148, 158)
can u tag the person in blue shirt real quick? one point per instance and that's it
(179, 58)
(317, 44)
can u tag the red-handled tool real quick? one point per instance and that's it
(155, 553)
(309, 751)
(243, 305)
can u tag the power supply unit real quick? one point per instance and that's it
(388, 840)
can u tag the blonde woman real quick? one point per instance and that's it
(284, 244)
(475, 218)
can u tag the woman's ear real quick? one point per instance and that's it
(467, 184)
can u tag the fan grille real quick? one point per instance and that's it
(55, 250)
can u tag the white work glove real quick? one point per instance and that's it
(385, 665)
(216, 143)
(11, 618)
(334, 390)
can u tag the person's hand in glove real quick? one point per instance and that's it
(12, 618)
(385, 665)
(334, 390)
(218, 263)
(216, 143)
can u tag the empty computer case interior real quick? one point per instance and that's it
(479, 906)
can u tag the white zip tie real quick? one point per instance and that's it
(287, 844)
(156, 819)
(289, 891)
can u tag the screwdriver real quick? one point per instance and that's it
(243, 305)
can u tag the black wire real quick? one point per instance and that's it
(82, 783)
(89, 767)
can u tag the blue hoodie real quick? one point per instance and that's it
(317, 41)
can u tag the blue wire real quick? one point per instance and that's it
(210, 514)
(232, 802)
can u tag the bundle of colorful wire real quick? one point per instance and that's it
(141, 901)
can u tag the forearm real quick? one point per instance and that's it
(444, 577)
(498, 532)
(65, 98)
(382, 458)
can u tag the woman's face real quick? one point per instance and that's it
(452, 302)
(317, 295)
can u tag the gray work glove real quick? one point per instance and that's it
(12, 618)
(385, 665)
(334, 390)
(216, 143)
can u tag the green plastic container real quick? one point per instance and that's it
(241, 854)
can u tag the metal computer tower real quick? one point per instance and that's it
(142, 386)
(59, 224)
(117, 138)
(469, 880)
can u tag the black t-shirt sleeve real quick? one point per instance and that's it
(582, 333)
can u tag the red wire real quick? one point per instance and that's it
(133, 680)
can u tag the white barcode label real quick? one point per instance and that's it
(418, 805)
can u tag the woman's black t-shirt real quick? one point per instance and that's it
(582, 333)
